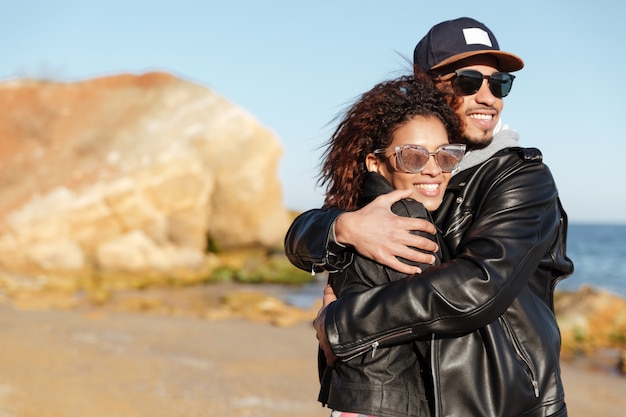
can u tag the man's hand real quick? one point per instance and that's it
(318, 323)
(377, 233)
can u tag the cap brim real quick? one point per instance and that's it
(507, 62)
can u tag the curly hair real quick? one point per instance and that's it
(369, 124)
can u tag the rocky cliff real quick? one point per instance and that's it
(134, 174)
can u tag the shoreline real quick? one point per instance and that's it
(600, 312)
(98, 363)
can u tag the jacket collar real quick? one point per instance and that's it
(374, 185)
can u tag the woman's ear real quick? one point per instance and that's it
(373, 163)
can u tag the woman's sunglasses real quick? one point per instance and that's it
(413, 158)
(469, 82)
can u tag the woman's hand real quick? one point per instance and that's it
(318, 324)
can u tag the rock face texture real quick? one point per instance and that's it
(131, 174)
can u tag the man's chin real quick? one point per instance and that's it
(474, 144)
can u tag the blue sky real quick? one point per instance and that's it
(295, 65)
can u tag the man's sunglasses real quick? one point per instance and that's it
(413, 158)
(469, 82)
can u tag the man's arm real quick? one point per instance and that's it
(493, 262)
(323, 239)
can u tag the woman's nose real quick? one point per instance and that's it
(431, 168)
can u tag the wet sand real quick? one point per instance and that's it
(97, 363)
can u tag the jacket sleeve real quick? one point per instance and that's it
(511, 229)
(310, 244)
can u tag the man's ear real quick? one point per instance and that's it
(373, 163)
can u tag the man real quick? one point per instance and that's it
(488, 311)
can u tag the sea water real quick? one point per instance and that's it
(598, 253)
(599, 256)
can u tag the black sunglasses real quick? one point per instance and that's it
(413, 158)
(469, 82)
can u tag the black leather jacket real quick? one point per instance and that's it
(388, 383)
(489, 311)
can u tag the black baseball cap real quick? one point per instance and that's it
(454, 40)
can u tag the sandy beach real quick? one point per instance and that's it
(100, 363)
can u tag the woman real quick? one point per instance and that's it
(385, 142)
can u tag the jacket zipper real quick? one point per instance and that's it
(374, 347)
(521, 353)
(435, 375)
(361, 349)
